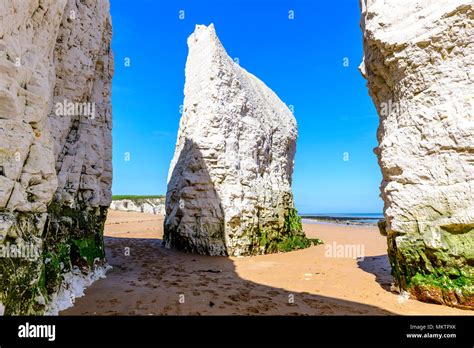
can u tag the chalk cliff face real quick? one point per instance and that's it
(141, 205)
(419, 63)
(229, 184)
(55, 144)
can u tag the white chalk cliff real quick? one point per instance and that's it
(141, 205)
(419, 63)
(56, 68)
(229, 183)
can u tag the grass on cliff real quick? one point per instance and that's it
(133, 197)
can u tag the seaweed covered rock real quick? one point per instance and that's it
(229, 183)
(55, 147)
(419, 64)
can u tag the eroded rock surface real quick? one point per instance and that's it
(55, 143)
(229, 184)
(419, 63)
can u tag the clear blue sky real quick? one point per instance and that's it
(300, 59)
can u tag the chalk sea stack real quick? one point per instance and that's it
(229, 183)
(56, 68)
(419, 64)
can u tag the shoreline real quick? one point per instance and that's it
(334, 223)
(344, 219)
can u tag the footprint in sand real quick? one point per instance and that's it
(114, 301)
(167, 309)
(210, 291)
(253, 310)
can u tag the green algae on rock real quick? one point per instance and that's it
(286, 238)
(69, 238)
(439, 274)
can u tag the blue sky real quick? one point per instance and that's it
(301, 59)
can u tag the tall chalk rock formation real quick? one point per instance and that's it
(229, 184)
(56, 68)
(419, 63)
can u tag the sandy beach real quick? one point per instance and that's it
(147, 279)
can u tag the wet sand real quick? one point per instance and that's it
(147, 279)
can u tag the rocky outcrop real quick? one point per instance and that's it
(419, 63)
(55, 145)
(141, 205)
(229, 184)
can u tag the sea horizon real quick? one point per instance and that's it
(371, 219)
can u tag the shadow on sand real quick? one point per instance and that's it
(380, 267)
(153, 280)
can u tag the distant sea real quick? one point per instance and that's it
(360, 219)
